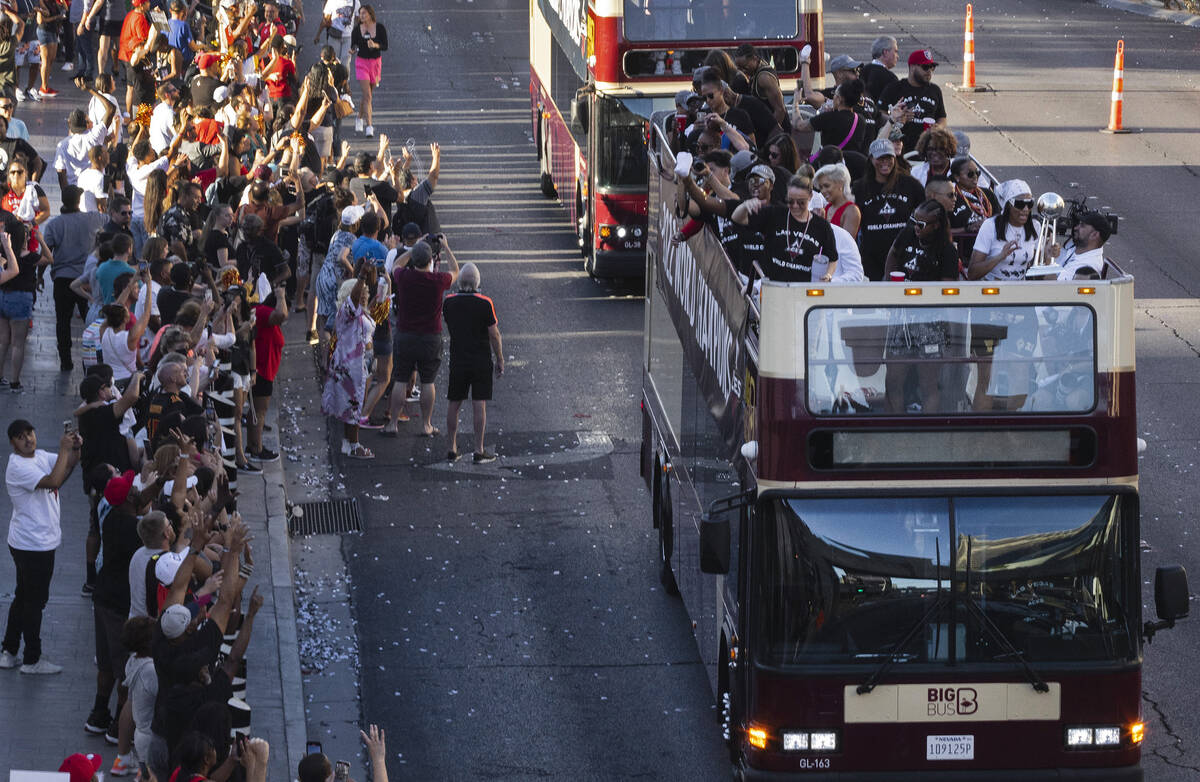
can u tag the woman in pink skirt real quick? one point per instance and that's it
(368, 42)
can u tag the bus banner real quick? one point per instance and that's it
(710, 312)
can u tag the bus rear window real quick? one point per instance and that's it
(984, 360)
(709, 20)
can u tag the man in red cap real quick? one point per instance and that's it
(915, 103)
(82, 768)
(205, 83)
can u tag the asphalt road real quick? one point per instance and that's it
(510, 621)
(509, 618)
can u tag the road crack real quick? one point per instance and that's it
(1177, 741)
(1190, 345)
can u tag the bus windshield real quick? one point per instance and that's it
(939, 360)
(620, 143)
(845, 581)
(709, 20)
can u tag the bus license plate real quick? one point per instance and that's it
(949, 747)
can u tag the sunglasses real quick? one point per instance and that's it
(797, 202)
(708, 95)
(971, 174)
(126, 212)
(755, 179)
(1023, 203)
(928, 67)
(773, 153)
(918, 224)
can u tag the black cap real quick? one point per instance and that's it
(1099, 222)
(410, 230)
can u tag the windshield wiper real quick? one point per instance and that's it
(996, 633)
(894, 654)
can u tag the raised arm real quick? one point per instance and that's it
(68, 457)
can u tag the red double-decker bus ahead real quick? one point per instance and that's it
(933, 567)
(599, 69)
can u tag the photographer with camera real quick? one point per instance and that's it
(419, 291)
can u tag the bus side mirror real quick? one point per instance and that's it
(1171, 598)
(579, 114)
(714, 545)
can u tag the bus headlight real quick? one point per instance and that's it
(814, 741)
(622, 232)
(1106, 736)
(795, 742)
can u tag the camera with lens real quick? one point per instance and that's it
(435, 242)
(1078, 207)
(699, 173)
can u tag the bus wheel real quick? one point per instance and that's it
(666, 540)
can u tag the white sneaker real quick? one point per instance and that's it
(33, 96)
(8, 660)
(42, 666)
(20, 94)
(370, 130)
(358, 125)
(676, 68)
(68, 66)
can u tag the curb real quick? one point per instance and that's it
(1142, 9)
(283, 594)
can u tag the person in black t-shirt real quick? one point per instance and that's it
(877, 75)
(843, 127)
(886, 198)
(918, 98)
(100, 422)
(763, 122)
(924, 250)
(797, 240)
(474, 339)
(257, 254)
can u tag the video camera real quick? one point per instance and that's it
(1077, 207)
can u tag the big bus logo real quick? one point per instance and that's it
(952, 701)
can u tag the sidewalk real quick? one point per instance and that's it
(41, 717)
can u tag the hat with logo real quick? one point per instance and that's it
(81, 767)
(881, 147)
(683, 96)
(921, 57)
(843, 62)
(764, 172)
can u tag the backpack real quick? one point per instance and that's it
(317, 227)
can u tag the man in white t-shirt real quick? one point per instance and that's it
(91, 181)
(162, 119)
(33, 479)
(1083, 257)
(338, 20)
(71, 155)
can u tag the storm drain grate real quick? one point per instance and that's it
(325, 518)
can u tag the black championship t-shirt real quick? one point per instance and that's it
(260, 255)
(468, 317)
(925, 263)
(962, 215)
(925, 102)
(884, 215)
(727, 231)
(792, 245)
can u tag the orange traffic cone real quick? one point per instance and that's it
(968, 80)
(1118, 93)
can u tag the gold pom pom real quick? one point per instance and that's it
(143, 114)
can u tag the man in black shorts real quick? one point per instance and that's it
(474, 338)
(418, 290)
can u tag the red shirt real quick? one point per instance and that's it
(419, 299)
(277, 79)
(134, 32)
(268, 343)
(267, 29)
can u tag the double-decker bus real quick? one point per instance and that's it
(599, 68)
(903, 516)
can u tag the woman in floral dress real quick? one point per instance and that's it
(346, 380)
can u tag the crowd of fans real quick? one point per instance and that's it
(863, 180)
(201, 207)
